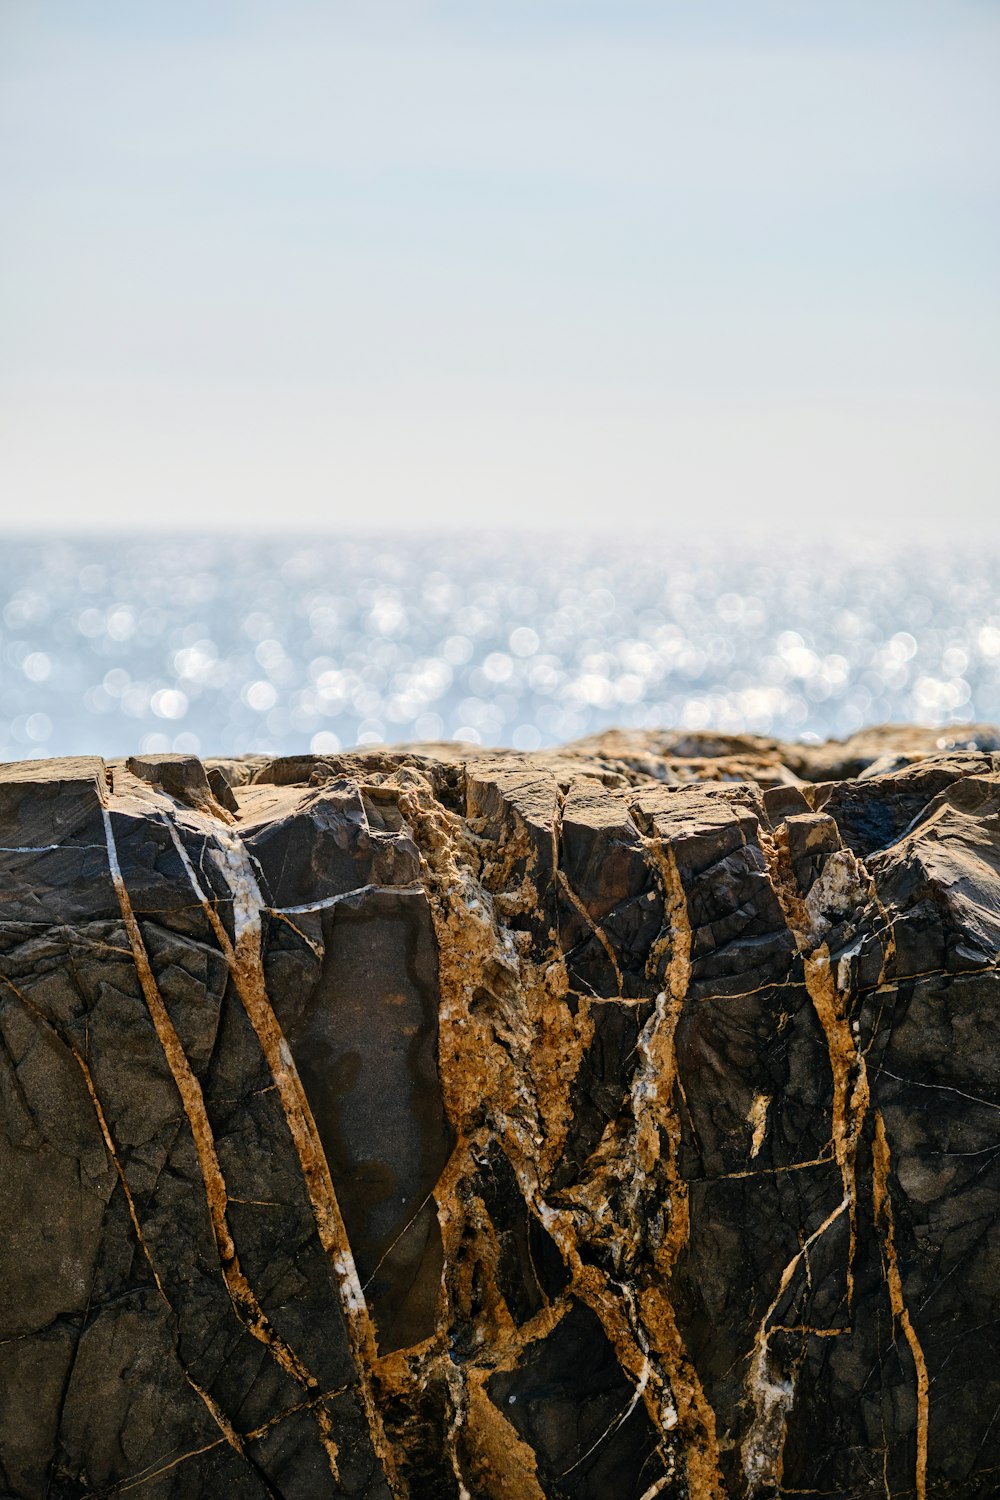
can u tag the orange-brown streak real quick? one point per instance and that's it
(595, 928)
(884, 1221)
(241, 1294)
(851, 1095)
(218, 1415)
(695, 1413)
(244, 963)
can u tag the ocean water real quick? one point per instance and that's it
(221, 645)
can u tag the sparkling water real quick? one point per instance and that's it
(221, 645)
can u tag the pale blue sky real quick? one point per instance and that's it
(549, 263)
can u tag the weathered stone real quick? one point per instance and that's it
(618, 1121)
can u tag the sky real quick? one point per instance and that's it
(538, 264)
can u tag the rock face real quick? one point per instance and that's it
(609, 1123)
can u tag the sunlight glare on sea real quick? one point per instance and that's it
(219, 646)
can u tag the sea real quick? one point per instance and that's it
(225, 644)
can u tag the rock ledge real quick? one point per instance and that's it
(613, 1123)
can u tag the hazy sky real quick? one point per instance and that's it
(548, 262)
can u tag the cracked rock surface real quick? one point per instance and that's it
(599, 1124)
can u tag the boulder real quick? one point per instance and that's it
(607, 1123)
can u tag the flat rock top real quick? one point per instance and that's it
(670, 756)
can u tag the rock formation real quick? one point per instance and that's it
(607, 1123)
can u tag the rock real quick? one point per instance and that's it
(617, 1121)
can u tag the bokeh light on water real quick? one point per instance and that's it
(219, 646)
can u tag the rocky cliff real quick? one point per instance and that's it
(609, 1123)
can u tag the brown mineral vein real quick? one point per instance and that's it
(183, 1458)
(777, 856)
(246, 967)
(889, 947)
(652, 1093)
(681, 1408)
(653, 1112)
(241, 1294)
(290, 1411)
(512, 1057)
(816, 1333)
(410, 1221)
(218, 1415)
(851, 1094)
(882, 1201)
(283, 917)
(158, 1468)
(762, 1449)
(502, 1457)
(795, 1166)
(618, 1420)
(679, 968)
(757, 1120)
(498, 1462)
(455, 1379)
(595, 928)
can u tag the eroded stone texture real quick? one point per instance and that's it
(612, 1122)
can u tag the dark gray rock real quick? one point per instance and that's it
(611, 1122)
